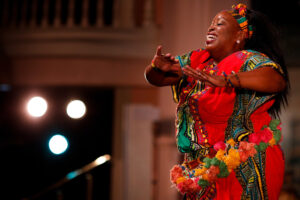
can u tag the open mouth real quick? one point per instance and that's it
(210, 38)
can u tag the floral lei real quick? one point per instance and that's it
(196, 175)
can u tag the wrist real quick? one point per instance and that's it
(227, 80)
(237, 78)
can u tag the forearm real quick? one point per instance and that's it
(159, 78)
(264, 79)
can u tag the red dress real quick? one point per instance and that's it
(207, 115)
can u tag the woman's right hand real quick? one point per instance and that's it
(164, 69)
(163, 62)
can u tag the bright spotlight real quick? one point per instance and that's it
(76, 109)
(58, 144)
(37, 106)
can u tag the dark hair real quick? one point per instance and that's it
(265, 39)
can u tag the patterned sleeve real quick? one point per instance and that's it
(259, 60)
(183, 61)
(248, 101)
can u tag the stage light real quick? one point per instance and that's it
(76, 109)
(58, 144)
(37, 106)
(102, 159)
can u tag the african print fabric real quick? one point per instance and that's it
(207, 115)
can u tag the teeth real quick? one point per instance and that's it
(210, 37)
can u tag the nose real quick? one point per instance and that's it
(211, 28)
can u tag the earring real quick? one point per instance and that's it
(238, 41)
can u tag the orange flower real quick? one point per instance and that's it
(231, 142)
(199, 172)
(272, 141)
(220, 154)
(180, 180)
(205, 177)
(232, 160)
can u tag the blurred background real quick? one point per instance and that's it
(120, 144)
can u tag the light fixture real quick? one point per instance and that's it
(76, 109)
(37, 106)
(58, 144)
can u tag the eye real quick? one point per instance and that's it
(220, 22)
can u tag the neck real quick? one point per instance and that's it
(218, 56)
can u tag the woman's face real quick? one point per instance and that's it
(222, 36)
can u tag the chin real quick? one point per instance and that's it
(210, 47)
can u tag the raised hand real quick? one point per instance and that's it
(163, 62)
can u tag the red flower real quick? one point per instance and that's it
(266, 135)
(176, 172)
(213, 171)
(254, 138)
(279, 127)
(220, 145)
(246, 150)
(188, 186)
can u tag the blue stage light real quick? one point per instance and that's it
(58, 144)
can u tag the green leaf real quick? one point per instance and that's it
(215, 161)
(263, 146)
(207, 162)
(273, 124)
(203, 183)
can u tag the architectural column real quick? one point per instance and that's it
(149, 13)
(33, 13)
(166, 157)
(24, 11)
(57, 15)
(45, 13)
(85, 13)
(5, 21)
(123, 14)
(71, 11)
(138, 151)
(99, 13)
(13, 20)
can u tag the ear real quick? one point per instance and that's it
(241, 38)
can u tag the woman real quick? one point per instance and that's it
(228, 96)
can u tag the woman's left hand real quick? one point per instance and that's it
(211, 80)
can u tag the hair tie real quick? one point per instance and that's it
(239, 13)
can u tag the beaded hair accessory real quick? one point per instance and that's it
(239, 13)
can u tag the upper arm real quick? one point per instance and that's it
(262, 74)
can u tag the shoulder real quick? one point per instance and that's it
(255, 60)
(251, 55)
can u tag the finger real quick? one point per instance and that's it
(188, 68)
(173, 59)
(196, 74)
(205, 75)
(200, 73)
(188, 71)
(168, 55)
(158, 50)
(191, 73)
